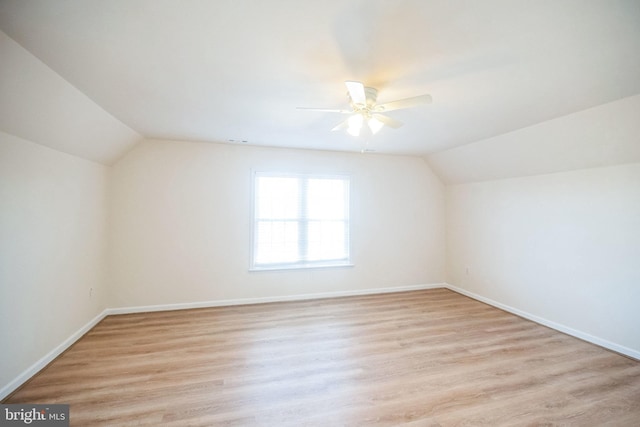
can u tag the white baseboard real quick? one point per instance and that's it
(245, 301)
(49, 357)
(635, 354)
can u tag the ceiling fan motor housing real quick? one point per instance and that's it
(371, 95)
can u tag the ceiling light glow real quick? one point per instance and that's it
(375, 125)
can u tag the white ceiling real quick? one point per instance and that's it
(237, 69)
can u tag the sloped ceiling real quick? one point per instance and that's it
(605, 135)
(237, 69)
(38, 105)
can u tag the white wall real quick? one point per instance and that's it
(562, 247)
(181, 221)
(52, 251)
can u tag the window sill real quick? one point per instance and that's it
(299, 267)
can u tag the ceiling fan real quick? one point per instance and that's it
(366, 113)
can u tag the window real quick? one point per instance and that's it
(300, 221)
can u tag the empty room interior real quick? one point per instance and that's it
(339, 212)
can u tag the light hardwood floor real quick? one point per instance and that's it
(425, 358)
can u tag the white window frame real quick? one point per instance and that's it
(302, 220)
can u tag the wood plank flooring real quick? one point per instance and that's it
(424, 358)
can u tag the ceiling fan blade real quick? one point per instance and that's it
(342, 126)
(356, 92)
(404, 103)
(326, 110)
(388, 121)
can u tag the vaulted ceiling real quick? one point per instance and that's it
(237, 69)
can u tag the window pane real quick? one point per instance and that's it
(277, 197)
(327, 240)
(326, 199)
(276, 242)
(300, 221)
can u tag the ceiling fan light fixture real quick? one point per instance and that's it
(365, 112)
(375, 125)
